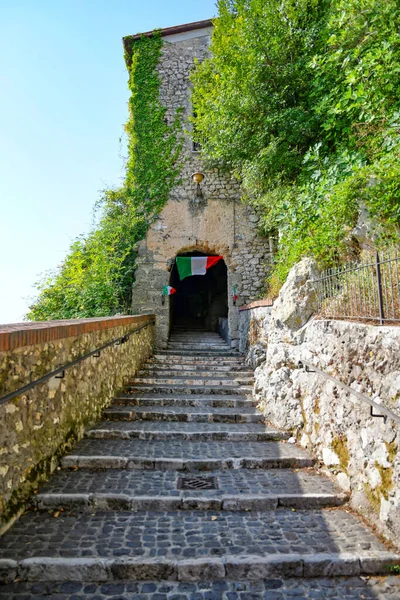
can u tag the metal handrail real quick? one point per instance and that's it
(59, 373)
(386, 412)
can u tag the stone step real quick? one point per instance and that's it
(190, 546)
(227, 360)
(161, 490)
(192, 335)
(177, 367)
(201, 373)
(173, 431)
(181, 346)
(176, 389)
(277, 588)
(197, 340)
(186, 380)
(185, 339)
(184, 455)
(211, 348)
(201, 352)
(131, 502)
(201, 400)
(190, 414)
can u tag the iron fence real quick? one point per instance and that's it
(368, 290)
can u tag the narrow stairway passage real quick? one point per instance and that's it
(182, 491)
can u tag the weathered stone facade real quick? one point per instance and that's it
(360, 451)
(37, 427)
(223, 226)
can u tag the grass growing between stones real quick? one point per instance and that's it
(339, 446)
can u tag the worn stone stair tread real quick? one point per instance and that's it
(209, 410)
(195, 377)
(206, 352)
(200, 372)
(183, 396)
(191, 545)
(190, 369)
(158, 490)
(191, 381)
(278, 588)
(193, 501)
(186, 413)
(200, 389)
(184, 455)
(198, 343)
(183, 430)
(233, 359)
(201, 400)
(195, 345)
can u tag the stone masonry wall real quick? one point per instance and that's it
(223, 226)
(254, 321)
(360, 451)
(37, 427)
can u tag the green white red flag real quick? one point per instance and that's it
(168, 290)
(195, 265)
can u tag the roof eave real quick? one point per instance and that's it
(129, 40)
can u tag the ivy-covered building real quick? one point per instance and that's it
(194, 219)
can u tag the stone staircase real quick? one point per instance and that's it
(182, 492)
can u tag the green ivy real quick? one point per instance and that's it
(96, 277)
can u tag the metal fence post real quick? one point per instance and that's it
(379, 282)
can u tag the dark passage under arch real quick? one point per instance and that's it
(199, 299)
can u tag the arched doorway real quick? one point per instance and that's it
(200, 300)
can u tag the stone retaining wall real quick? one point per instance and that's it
(253, 328)
(38, 427)
(360, 451)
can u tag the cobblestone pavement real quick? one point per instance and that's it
(242, 481)
(189, 534)
(187, 450)
(352, 588)
(119, 513)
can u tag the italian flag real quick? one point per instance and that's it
(195, 265)
(168, 290)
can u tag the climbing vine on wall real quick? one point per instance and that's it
(96, 277)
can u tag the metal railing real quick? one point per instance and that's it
(386, 412)
(368, 290)
(59, 373)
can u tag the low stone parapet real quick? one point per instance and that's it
(39, 425)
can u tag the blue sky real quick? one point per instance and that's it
(63, 103)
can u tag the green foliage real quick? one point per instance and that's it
(96, 277)
(301, 98)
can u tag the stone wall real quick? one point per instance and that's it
(224, 225)
(254, 321)
(360, 451)
(37, 427)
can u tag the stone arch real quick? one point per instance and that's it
(200, 300)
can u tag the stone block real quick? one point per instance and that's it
(201, 569)
(139, 569)
(258, 568)
(8, 570)
(331, 565)
(63, 569)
